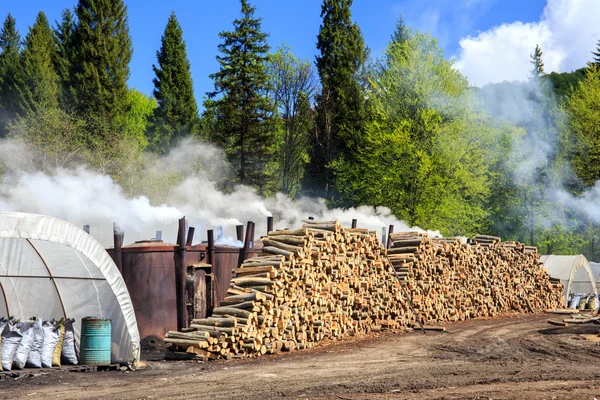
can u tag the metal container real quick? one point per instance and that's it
(149, 273)
(95, 341)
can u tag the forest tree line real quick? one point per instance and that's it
(403, 130)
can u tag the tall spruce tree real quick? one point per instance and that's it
(177, 111)
(64, 58)
(241, 111)
(400, 34)
(38, 82)
(102, 52)
(10, 68)
(596, 54)
(537, 62)
(340, 106)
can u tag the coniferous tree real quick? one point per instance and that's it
(64, 58)
(102, 51)
(10, 67)
(596, 54)
(241, 111)
(38, 81)
(340, 105)
(537, 62)
(400, 34)
(177, 111)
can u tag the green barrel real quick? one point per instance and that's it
(95, 341)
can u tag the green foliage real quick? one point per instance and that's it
(177, 113)
(426, 152)
(537, 62)
(596, 54)
(562, 83)
(137, 121)
(55, 139)
(102, 51)
(582, 106)
(65, 58)
(38, 81)
(293, 83)
(401, 33)
(241, 112)
(10, 68)
(341, 105)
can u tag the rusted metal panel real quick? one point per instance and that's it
(150, 279)
(149, 273)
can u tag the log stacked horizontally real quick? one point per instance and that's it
(453, 281)
(325, 282)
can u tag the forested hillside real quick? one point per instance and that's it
(402, 129)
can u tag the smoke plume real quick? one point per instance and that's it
(196, 173)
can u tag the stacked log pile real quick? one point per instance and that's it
(452, 281)
(311, 284)
(326, 282)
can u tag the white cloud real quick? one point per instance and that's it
(567, 33)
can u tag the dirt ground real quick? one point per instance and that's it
(519, 357)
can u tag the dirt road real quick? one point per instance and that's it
(508, 358)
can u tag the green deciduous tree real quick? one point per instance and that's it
(241, 111)
(584, 121)
(38, 81)
(138, 120)
(10, 68)
(427, 149)
(340, 106)
(102, 51)
(64, 58)
(54, 138)
(177, 112)
(293, 84)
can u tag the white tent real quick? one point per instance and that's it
(50, 268)
(573, 271)
(595, 267)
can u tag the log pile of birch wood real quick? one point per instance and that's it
(325, 282)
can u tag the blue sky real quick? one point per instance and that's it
(296, 23)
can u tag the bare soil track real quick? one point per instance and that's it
(518, 357)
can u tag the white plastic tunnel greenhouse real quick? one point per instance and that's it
(50, 268)
(573, 271)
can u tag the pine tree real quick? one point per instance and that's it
(400, 34)
(102, 52)
(177, 112)
(64, 57)
(340, 105)
(38, 82)
(537, 62)
(596, 54)
(10, 68)
(240, 108)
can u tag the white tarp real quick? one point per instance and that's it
(50, 268)
(573, 271)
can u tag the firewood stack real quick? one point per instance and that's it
(450, 281)
(311, 284)
(326, 282)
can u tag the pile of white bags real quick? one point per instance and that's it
(36, 343)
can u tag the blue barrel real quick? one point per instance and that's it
(95, 341)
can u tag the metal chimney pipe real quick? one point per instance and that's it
(181, 276)
(269, 224)
(118, 244)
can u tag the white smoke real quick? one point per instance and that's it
(83, 196)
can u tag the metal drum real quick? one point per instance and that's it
(95, 341)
